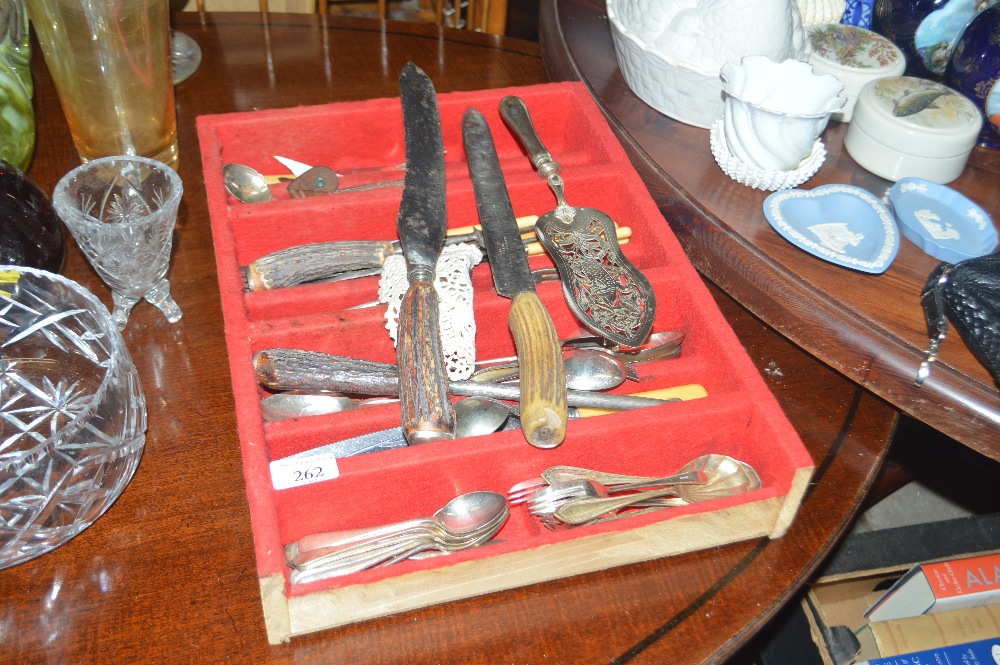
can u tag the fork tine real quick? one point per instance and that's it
(549, 522)
(522, 491)
(519, 498)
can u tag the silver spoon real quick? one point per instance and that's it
(380, 549)
(246, 184)
(475, 416)
(725, 476)
(386, 556)
(586, 369)
(249, 186)
(465, 514)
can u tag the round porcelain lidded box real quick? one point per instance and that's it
(855, 56)
(910, 127)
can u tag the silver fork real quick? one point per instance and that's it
(548, 500)
(523, 491)
(553, 523)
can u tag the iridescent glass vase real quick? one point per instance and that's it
(17, 118)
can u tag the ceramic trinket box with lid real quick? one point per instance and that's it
(855, 56)
(906, 126)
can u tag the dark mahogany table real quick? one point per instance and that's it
(868, 327)
(168, 574)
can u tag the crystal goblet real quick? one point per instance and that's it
(72, 412)
(122, 212)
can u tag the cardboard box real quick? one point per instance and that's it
(739, 417)
(866, 564)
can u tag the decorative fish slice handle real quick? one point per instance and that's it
(515, 113)
(603, 288)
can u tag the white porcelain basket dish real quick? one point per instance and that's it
(684, 83)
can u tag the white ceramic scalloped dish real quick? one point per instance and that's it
(842, 224)
(758, 178)
(941, 221)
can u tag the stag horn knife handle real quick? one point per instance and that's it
(542, 375)
(428, 414)
(313, 261)
(293, 369)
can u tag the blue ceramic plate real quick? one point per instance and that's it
(841, 224)
(941, 221)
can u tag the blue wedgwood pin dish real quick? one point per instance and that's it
(940, 221)
(842, 224)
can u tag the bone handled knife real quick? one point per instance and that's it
(335, 260)
(427, 411)
(539, 351)
(316, 261)
(295, 369)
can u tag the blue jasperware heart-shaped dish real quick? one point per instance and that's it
(842, 224)
(940, 221)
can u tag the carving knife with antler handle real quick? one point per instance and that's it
(427, 411)
(539, 352)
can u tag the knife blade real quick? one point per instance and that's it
(392, 438)
(539, 352)
(427, 411)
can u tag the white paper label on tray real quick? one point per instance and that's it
(289, 473)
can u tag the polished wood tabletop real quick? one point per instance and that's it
(868, 327)
(168, 573)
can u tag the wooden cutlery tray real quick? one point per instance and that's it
(739, 417)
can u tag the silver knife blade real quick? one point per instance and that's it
(502, 238)
(422, 219)
(543, 377)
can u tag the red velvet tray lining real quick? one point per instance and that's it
(739, 417)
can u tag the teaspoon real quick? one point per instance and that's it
(246, 184)
(465, 514)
